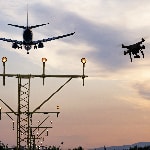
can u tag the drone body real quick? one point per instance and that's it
(134, 49)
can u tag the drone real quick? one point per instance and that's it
(134, 49)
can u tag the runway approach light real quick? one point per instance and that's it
(83, 60)
(44, 59)
(4, 59)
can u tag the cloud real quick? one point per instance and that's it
(102, 40)
(143, 89)
(99, 42)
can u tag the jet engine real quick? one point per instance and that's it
(14, 45)
(40, 45)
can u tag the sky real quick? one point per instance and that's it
(113, 108)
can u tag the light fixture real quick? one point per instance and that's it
(44, 60)
(4, 59)
(83, 60)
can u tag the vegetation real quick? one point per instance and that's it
(2, 146)
(5, 147)
(140, 148)
(59, 148)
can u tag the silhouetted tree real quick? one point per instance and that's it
(139, 148)
(54, 148)
(79, 148)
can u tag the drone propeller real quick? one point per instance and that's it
(143, 39)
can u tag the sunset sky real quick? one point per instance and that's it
(113, 108)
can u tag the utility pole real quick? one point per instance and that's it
(24, 115)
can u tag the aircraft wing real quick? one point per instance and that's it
(12, 41)
(53, 38)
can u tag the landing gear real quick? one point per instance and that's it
(27, 47)
(35, 47)
(20, 47)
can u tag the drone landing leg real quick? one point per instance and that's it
(130, 57)
(142, 53)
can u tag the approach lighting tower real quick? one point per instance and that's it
(24, 115)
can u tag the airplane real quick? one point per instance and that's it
(135, 49)
(28, 38)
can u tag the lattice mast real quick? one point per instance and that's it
(24, 115)
(23, 120)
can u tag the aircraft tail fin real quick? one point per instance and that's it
(35, 26)
(23, 27)
(27, 15)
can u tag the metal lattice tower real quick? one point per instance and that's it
(23, 112)
(24, 115)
